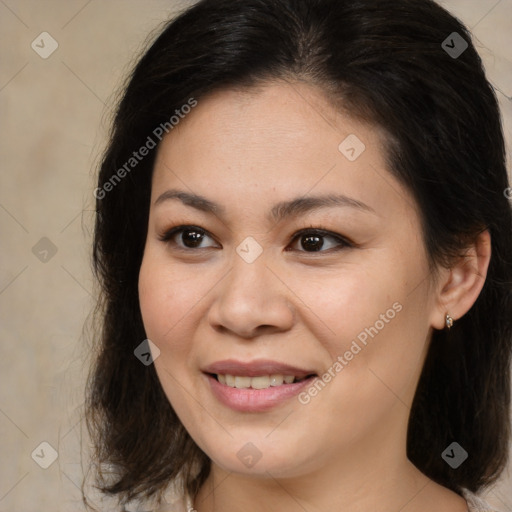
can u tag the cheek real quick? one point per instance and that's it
(166, 303)
(375, 367)
(344, 303)
(373, 322)
(166, 300)
(153, 299)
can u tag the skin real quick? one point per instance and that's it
(345, 449)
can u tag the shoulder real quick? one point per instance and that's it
(475, 503)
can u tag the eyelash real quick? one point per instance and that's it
(343, 242)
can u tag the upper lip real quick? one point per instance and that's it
(255, 368)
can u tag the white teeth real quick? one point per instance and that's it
(242, 382)
(260, 382)
(276, 380)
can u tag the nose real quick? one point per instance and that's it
(251, 300)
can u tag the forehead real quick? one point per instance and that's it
(289, 120)
(278, 140)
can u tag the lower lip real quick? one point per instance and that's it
(255, 400)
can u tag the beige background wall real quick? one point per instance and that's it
(53, 122)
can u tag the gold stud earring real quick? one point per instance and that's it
(448, 321)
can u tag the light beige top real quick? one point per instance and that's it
(476, 504)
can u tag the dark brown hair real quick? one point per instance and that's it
(383, 61)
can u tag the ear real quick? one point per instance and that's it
(460, 285)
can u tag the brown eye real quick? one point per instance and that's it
(314, 240)
(191, 237)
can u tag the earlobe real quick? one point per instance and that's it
(464, 282)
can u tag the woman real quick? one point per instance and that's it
(305, 250)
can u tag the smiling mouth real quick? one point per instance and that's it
(258, 382)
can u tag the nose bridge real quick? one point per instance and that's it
(249, 279)
(251, 296)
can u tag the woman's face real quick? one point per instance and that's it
(243, 289)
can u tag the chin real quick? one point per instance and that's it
(261, 458)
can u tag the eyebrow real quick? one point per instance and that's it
(280, 211)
